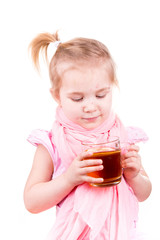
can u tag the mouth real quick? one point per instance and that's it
(91, 119)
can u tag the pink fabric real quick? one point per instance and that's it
(39, 136)
(68, 136)
(91, 213)
(136, 135)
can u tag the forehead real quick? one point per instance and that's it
(80, 76)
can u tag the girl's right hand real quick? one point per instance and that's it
(77, 172)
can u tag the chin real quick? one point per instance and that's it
(91, 126)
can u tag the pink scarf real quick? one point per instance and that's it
(115, 207)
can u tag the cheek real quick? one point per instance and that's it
(110, 102)
(71, 110)
(107, 104)
(74, 111)
(106, 107)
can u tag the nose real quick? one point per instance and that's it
(89, 107)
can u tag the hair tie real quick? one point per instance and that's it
(52, 49)
(56, 44)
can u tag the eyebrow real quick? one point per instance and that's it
(99, 90)
(104, 89)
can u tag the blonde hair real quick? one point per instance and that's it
(82, 50)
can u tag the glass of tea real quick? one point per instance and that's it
(110, 153)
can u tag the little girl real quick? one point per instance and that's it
(82, 74)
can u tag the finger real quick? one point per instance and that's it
(84, 155)
(132, 154)
(130, 162)
(87, 170)
(90, 162)
(131, 159)
(133, 147)
(93, 180)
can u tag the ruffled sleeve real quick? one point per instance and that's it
(136, 135)
(43, 137)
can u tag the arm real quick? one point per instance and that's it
(135, 174)
(42, 193)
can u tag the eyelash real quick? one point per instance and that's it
(80, 99)
(77, 100)
(101, 96)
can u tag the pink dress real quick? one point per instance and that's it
(90, 213)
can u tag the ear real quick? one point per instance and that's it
(55, 95)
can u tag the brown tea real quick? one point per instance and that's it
(112, 170)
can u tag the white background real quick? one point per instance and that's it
(130, 29)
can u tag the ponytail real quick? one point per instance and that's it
(40, 44)
(73, 51)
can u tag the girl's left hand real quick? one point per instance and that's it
(131, 162)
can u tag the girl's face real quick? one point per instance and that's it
(85, 95)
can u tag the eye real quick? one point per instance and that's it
(77, 99)
(100, 96)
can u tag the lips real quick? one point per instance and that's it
(91, 118)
